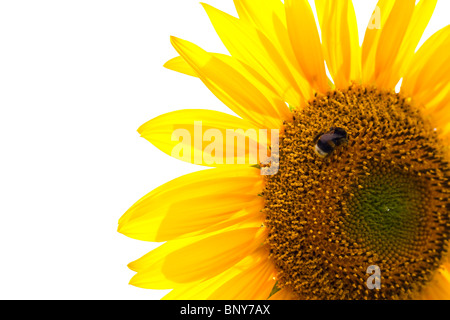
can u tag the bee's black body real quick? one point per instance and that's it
(327, 142)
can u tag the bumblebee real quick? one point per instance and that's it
(326, 143)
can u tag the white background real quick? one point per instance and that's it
(77, 78)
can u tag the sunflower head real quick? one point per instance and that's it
(381, 199)
(357, 206)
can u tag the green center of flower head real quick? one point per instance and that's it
(387, 214)
(363, 181)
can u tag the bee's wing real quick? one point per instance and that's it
(316, 138)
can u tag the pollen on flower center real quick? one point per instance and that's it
(380, 199)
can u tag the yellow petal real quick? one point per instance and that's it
(273, 48)
(268, 16)
(206, 137)
(178, 64)
(340, 40)
(180, 262)
(305, 40)
(199, 203)
(439, 286)
(251, 46)
(253, 77)
(427, 64)
(372, 37)
(250, 279)
(427, 80)
(255, 283)
(233, 88)
(419, 20)
(392, 35)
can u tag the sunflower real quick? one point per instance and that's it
(362, 180)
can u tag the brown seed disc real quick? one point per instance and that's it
(380, 200)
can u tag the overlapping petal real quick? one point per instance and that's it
(206, 137)
(197, 203)
(391, 40)
(305, 41)
(178, 64)
(229, 85)
(439, 287)
(427, 80)
(340, 40)
(372, 36)
(248, 44)
(269, 17)
(419, 21)
(184, 261)
(250, 279)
